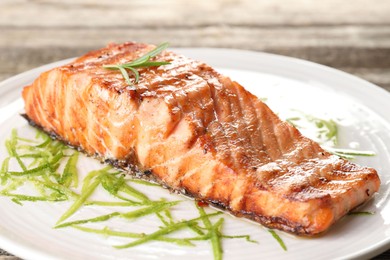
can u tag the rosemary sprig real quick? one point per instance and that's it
(141, 62)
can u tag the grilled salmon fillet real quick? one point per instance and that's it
(198, 133)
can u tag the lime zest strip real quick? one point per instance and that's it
(278, 239)
(80, 201)
(128, 215)
(164, 231)
(108, 232)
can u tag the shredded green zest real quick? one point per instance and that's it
(213, 232)
(165, 231)
(38, 164)
(113, 203)
(278, 239)
(4, 171)
(326, 133)
(80, 201)
(325, 130)
(144, 182)
(108, 232)
(151, 209)
(349, 153)
(143, 61)
(11, 147)
(70, 176)
(361, 213)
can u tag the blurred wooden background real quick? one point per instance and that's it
(353, 36)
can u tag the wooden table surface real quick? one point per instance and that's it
(353, 36)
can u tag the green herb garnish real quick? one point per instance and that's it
(38, 163)
(278, 238)
(326, 132)
(167, 230)
(151, 209)
(141, 62)
(108, 232)
(361, 213)
(70, 175)
(349, 153)
(213, 232)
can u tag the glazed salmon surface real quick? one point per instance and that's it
(199, 133)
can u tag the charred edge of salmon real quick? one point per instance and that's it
(136, 171)
(132, 169)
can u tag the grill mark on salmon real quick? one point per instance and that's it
(198, 133)
(252, 121)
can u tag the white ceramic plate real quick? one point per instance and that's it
(360, 108)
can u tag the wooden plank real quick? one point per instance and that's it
(340, 47)
(17, 59)
(213, 36)
(9, 257)
(379, 77)
(150, 13)
(4, 255)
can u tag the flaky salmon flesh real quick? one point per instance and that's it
(199, 133)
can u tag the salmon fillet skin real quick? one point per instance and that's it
(199, 133)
